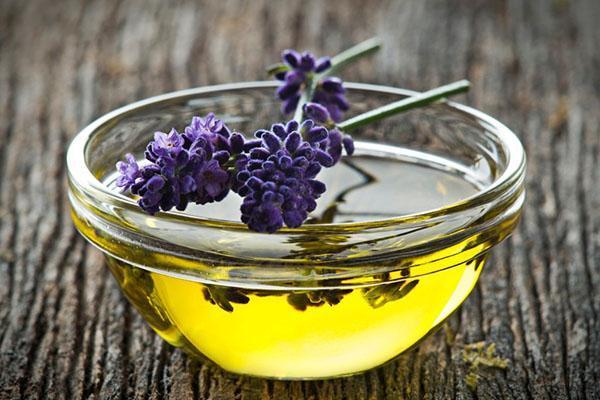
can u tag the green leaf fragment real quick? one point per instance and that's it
(277, 68)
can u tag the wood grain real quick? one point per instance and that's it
(67, 332)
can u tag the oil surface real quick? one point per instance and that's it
(329, 331)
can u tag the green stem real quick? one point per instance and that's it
(352, 54)
(338, 62)
(408, 103)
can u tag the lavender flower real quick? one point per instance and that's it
(166, 145)
(184, 168)
(302, 67)
(277, 180)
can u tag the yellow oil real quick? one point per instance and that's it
(268, 337)
(325, 332)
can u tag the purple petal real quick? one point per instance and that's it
(291, 126)
(333, 84)
(236, 141)
(254, 183)
(279, 130)
(155, 184)
(316, 134)
(306, 125)
(307, 62)
(336, 114)
(292, 142)
(212, 189)
(317, 186)
(291, 57)
(294, 77)
(348, 144)
(293, 219)
(341, 102)
(287, 90)
(271, 141)
(221, 156)
(243, 176)
(313, 169)
(123, 181)
(335, 137)
(188, 184)
(317, 112)
(285, 162)
(322, 64)
(323, 158)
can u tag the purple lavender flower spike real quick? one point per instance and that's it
(278, 183)
(185, 168)
(329, 91)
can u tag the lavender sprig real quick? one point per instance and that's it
(189, 167)
(299, 72)
(303, 78)
(278, 182)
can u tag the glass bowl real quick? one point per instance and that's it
(330, 298)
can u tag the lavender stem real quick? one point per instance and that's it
(408, 103)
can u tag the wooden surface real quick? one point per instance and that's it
(67, 332)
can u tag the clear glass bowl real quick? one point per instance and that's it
(323, 300)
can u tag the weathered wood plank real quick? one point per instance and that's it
(67, 332)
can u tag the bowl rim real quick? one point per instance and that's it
(80, 175)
